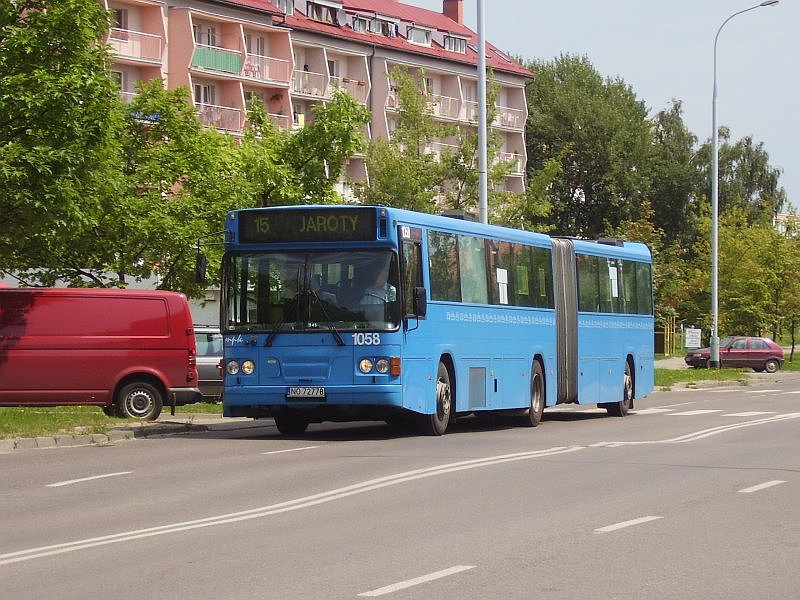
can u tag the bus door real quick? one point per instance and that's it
(566, 302)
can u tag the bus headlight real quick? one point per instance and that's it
(365, 365)
(232, 367)
(248, 367)
(382, 366)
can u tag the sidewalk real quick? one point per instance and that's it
(673, 362)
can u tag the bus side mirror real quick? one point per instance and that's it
(200, 268)
(420, 302)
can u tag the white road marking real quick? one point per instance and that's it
(92, 478)
(354, 489)
(761, 391)
(793, 392)
(703, 433)
(652, 411)
(282, 507)
(692, 413)
(291, 450)
(401, 585)
(752, 413)
(722, 390)
(624, 524)
(761, 486)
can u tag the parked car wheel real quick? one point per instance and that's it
(140, 400)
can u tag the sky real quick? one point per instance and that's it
(665, 51)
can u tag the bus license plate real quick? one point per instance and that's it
(301, 393)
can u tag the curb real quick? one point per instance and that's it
(117, 434)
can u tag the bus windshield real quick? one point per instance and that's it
(280, 292)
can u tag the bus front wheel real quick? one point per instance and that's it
(436, 424)
(291, 424)
(534, 414)
(621, 408)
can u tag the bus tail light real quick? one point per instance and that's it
(394, 369)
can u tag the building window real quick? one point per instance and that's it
(286, 6)
(455, 44)
(360, 25)
(203, 93)
(382, 27)
(255, 44)
(119, 18)
(318, 12)
(419, 36)
(205, 34)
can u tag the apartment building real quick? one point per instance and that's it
(293, 54)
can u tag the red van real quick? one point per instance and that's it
(129, 351)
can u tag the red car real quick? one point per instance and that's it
(758, 353)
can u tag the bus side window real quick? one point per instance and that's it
(412, 274)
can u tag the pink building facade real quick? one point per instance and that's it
(293, 54)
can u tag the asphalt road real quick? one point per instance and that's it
(696, 494)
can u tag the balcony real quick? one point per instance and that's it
(224, 118)
(437, 149)
(470, 111)
(135, 44)
(310, 84)
(512, 118)
(264, 68)
(214, 58)
(355, 87)
(512, 158)
(127, 97)
(444, 106)
(279, 120)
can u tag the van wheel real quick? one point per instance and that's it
(110, 411)
(140, 400)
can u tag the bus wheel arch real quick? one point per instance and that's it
(537, 394)
(445, 395)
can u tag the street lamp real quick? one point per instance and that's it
(714, 358)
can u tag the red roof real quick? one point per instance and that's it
(496, 59)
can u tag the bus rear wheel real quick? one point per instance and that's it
(436, 424)
(534, 414)
(621, 408)
(291, 424)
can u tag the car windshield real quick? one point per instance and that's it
(311, 291)
(726, 341)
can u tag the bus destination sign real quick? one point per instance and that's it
(307, 225)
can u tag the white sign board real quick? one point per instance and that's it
(692, 338)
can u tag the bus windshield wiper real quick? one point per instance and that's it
(336, 335)
(278, 327)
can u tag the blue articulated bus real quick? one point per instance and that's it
(345, 313)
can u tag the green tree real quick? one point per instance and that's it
(676, 181)
(303, 166)
(746, 179)
(59, 120)
(599, 131)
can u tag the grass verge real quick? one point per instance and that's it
(22, 422)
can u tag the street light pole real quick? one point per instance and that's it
(714, 358)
